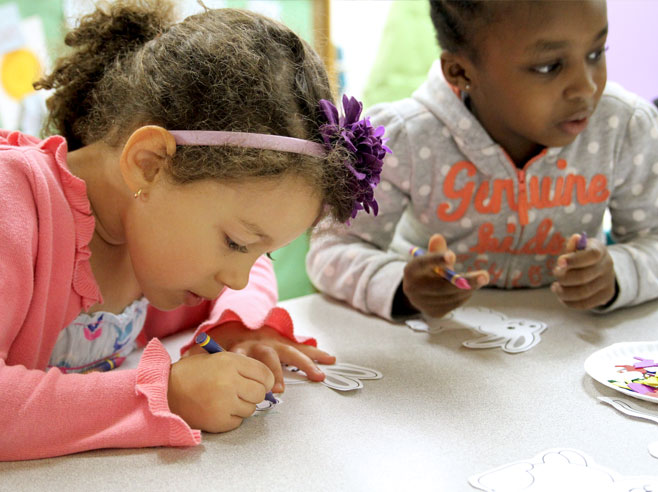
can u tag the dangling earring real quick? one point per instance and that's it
(137, 193)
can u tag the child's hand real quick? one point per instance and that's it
(215, 392)
(272, 349)
(429, 292)
(584, 279)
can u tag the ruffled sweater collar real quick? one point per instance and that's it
(75, 191)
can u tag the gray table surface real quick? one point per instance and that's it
(441, 413)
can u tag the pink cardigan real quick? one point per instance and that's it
(45, 282)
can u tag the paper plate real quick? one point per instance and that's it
(601, 364)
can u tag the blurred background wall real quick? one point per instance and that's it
(375, 50)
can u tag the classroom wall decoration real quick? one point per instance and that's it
(23, 59)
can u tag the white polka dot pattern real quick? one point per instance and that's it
(532, 215)
(431, 164)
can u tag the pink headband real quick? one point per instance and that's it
(364, 145)
(253, 140)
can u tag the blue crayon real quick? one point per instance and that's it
(212, 347)
(106, 365)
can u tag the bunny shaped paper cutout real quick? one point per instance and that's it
(512, 335)
(341, 376)
(559, 469)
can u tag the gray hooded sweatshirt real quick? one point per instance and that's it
(446, 175)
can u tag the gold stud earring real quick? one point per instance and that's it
(137, 193)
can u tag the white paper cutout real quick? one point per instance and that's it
(512, 335)
(341, 376)
(267, 405)
(559, 469)
(653, 449)
(629, 408)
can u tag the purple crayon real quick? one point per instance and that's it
(212, 347)
(582, 241)
(452, 277)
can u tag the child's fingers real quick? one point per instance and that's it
(477, 279)
(581, 259)
(427, 263)
(571, 243)
(316, 354)
(251, 391)
(456, 296)
(290, 355)
(437, 244)
(243, 409)
(230, 423)
(579, 276)
(437, 307)
(266, 355)
(587, 296)
(251, 368)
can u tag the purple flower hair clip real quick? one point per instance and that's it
(365, 145)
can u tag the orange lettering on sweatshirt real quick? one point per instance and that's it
(536, 193)
(539, 244)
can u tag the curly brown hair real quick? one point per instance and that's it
(130, 64)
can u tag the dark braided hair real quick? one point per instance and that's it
(131, 65)
(457, 23)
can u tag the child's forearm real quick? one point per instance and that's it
(46, 414)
